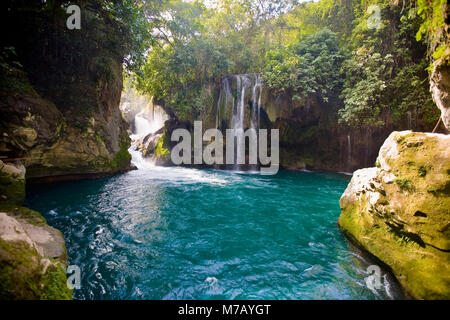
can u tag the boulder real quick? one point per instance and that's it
(12, 182)
(399, 211)
(33, 257)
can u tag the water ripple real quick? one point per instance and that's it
(178, 233)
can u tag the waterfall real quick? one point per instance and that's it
(237, 120)
(142, 125)
(146, 122)
(237, 94)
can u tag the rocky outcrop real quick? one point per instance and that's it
(440, 87)
(12, 182)
(440, 77)
(149, 143)
(33, 257)
(164, 145)
(60, 92)
(399, 211)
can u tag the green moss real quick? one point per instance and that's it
(21, 266)
(400, 139)
(55, 284)
(21, 275)
(99, 138)
(18, 271)
(422, 171)
(409, 231)
(405, 184)
(160, 150)
(12, 187)
(377, 163)
(122, 158)
(104, 70)
(30, 216)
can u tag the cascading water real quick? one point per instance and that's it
(247, 89)
(145, 122)
(237, 121)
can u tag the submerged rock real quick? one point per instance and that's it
(33, 256)
(400, 211)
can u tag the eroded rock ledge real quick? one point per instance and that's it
(400, 211)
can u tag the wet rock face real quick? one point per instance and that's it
(440, 89)
(164, 144)
(400, 210)
(149, 144)
(33, 257)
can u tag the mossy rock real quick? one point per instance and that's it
(391, 212)
(33, 257)
(12, 183)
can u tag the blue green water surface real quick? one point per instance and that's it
(178, 233)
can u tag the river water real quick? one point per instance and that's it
(179, 233)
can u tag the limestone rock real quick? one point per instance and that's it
(149, 144)
(440, 89)
(400, 211)
(33, 256)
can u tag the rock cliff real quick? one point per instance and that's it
(440, 87)
(60, 93)
(310, 135)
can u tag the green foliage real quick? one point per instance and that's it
(196, 45)
(433, 25)
(387, 72)
(422, 171)
(122, 157)
(160, 150)
(12, 76)
(323, 49)
(307, 67)
(130, 17)
(367, 74)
